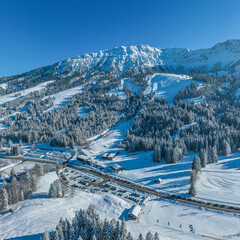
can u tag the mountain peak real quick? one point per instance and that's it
(132, 60)
(231, 44)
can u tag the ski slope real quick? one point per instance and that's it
(167, 85)
(61, 98)
(13, 96)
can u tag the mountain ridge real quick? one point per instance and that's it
(127, 61)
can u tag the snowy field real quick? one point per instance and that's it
(19, 168)
(159, 85)
(62, 98)
(220, 182)
(39, 213)
(13, 96)
(128, 83)
(167, 85)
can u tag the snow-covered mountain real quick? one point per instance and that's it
(129, 61)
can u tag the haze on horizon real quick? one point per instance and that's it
(38, 33)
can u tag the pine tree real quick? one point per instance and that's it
(14, 191)
(33, 147)
(106, 234)
(149, 236)
(79, 150)
(123, 229)
(129, 236)
(21, 195)
(12, 173)
(214, 155)
(193, 177)
(57, 189)
(196, 164)
(46, 236)
(15, 150)
(10, 143)
(72, 144)
(116, 232)
(168, 155)
(203, 157)
(156, 237)
(192, 190)
(226, 149)
(3, 198)
(140, 237)
(175, 154)
(52, 191)
(157, 153)
(59, 165)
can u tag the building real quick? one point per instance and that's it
(116, 167)
(104, 156)
(84, 159)
(159, 180)
(134, 211)
(110, 156)
(85, 152)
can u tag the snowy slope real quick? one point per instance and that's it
(39, 213)
(13, 96)
(167, 85)
(62, 98)
(220, 182)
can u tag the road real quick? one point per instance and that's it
(133, 186)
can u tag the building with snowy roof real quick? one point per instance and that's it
(110, 155)
(116, 167)
(134, 211)
(84, 159)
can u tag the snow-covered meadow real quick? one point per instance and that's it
(40, 213)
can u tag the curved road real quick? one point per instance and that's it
(131, 185)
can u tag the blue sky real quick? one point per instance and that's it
(36, 33)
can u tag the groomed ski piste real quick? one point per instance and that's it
(169, 218)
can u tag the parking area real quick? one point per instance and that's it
(72, 176)
(90, 183)
(124, 192)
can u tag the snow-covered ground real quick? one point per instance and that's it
(128, 83)
(62, 98)
(13, 96)
(19, 168)
(40, 213)
(220, 182)
(167, 85)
